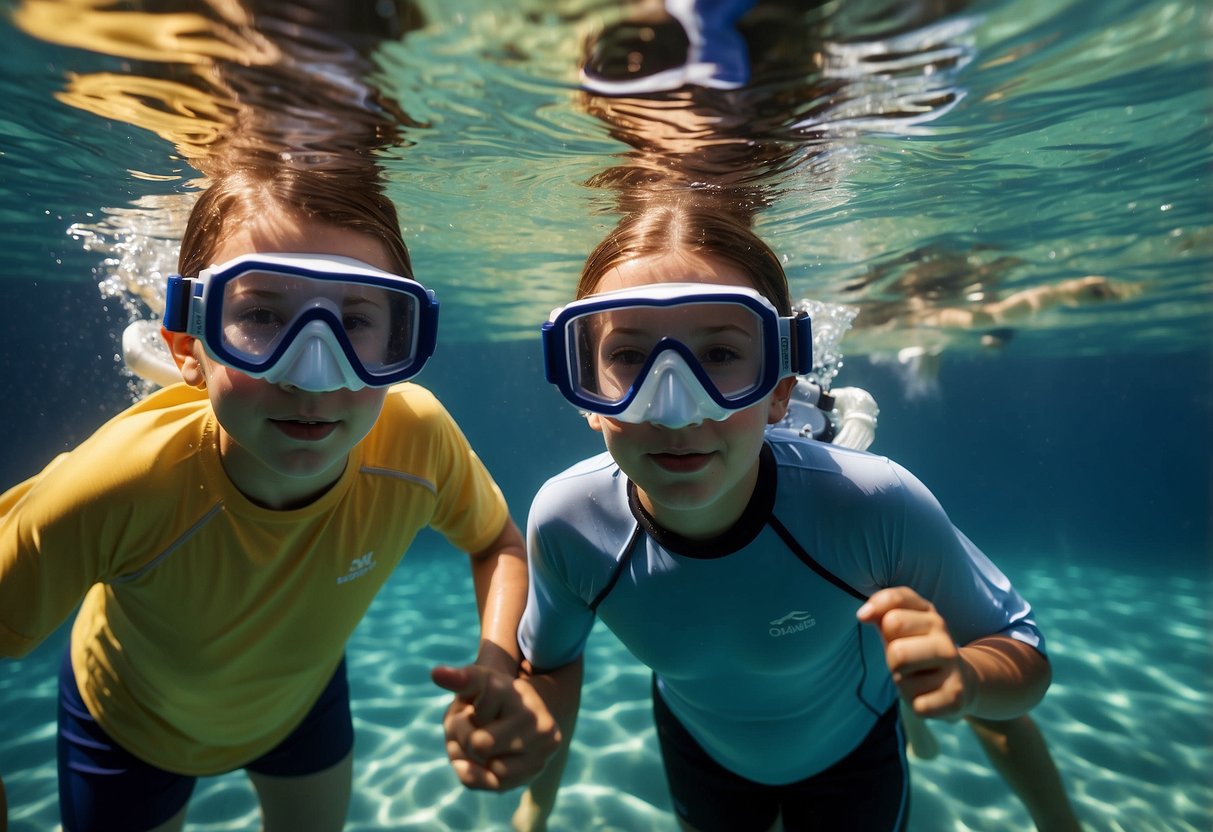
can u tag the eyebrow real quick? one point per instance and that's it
(274, 294)
(703, 330)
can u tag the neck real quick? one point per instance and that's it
(706, 521)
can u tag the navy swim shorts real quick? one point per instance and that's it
(102, 786)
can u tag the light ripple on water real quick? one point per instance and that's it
(1128, 719)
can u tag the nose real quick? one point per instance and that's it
(673, 404)
(313, 368)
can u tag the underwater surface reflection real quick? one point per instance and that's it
(1014, 195)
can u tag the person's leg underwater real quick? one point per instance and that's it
(307, 803)
(1019, 753)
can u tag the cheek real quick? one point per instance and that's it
(618, 436)
(367, 403)
(231, 393)
(372, 402)
(749, 425)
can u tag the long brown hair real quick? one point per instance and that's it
(351, 198)
(689, 226)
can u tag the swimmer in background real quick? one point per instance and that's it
(919, 304)
(228, 533)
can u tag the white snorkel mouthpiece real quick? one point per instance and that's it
(671, 396)
(314, 362)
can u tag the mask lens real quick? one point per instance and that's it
(377, 322)
(609, 348)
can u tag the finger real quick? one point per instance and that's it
(938, 700)
(913, 685)
(464, 681)
(897, 597)
(458, 722)
(519, 733)
(907, 623)
(511, 772)
(920, 654)
(475, 776)
(476, 685)
(458, 727)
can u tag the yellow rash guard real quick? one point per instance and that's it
(209, 624)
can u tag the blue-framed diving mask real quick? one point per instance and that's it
(673, 354)
(317, 322)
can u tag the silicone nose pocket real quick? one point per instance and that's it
(314, 362)
(673, 404)
(671, 396)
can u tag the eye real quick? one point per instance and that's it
(259, 316)
(719, 355)
(626, 357)
(356, 323)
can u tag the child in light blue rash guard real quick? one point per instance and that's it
(785, 592)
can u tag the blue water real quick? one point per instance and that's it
(1079, 455)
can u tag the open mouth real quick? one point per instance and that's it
(681, 463)
(306, 431)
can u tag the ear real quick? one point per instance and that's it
(184, 350)
(779, 399)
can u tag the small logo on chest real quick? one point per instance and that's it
(794, 622)
(358, 568)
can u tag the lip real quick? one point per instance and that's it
(305, 430)
(680, 462)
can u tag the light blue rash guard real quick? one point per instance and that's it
(756, 649)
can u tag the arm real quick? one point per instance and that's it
(500, 580)
(46, 565)
(498, 731)
(561, 693)
(992, 677)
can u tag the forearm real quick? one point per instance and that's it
(560, 691)
(1004, 678)
(499, 574)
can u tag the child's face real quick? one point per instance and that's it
(280, 445)
(695, 480)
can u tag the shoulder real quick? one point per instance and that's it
(412, 420)
(584, 480)
(798, 456)
(148, 442)
(128, 483)
(412, 403)
(594, 487)
(416, 439)
(843, 476)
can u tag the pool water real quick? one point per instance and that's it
(1073, 445)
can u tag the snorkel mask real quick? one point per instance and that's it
(674, 354)
(316, 322)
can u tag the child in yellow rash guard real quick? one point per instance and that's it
(198, 603)
(226, 535)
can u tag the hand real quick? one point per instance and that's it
(499, 734)
(922, 657)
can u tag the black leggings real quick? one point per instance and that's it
(869, 789)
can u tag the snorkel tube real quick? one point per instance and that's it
(146, 355)
(843, 416)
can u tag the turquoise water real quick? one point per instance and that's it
(1077, 454)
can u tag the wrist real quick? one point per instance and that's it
(495, 658)
(970, 680)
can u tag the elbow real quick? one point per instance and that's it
(1043, 676)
